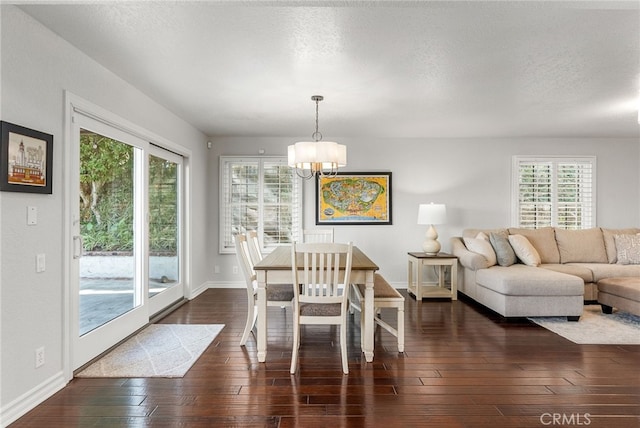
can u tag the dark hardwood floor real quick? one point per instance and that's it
(463, 367)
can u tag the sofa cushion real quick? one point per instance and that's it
(582, 272)
(524, 250)
(610, 244)
(467, 259)
(505, 255)
(606, 270)
(482, 247)
(522, 280)
(629, 288)
(581, 246)
(627, 249)
(543, 240)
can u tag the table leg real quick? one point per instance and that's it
(262, 316)
(369, 313)
(419, 282)
(410, 276)
(454, 280)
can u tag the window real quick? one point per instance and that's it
(554, 191)
(262, 194)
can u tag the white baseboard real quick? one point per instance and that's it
(240, 284)
(399, 285)
(201, 289)
(30, 399)
(227, 284)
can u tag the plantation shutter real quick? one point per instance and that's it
(280, 202)
(557, 192)
(262, 194)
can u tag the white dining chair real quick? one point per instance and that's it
(277, 294)
(320, 294)
(254, 246)
(324, 234)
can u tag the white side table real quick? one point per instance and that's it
(415, 283)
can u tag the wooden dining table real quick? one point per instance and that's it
(275, 268)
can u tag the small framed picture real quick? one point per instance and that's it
(354, 198)
(26, 159)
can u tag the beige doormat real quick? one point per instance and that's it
(594, 327)
(160, 350)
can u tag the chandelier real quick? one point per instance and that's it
(317, 157)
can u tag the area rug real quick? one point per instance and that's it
(160, 350)
(594, 327)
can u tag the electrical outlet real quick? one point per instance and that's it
(40, 357)
(235, 270)
(216, 269)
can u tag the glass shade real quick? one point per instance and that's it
(310, 154)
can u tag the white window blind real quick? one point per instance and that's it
(262, 194)
(554, 191)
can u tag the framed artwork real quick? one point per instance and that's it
(26, 159)
(354, 198)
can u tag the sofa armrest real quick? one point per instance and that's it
(467, 259)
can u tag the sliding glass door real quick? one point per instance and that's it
(164, 214)
(126, 239)
(109, 284)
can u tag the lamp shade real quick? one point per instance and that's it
(328, 154)
(432, 214)
(311, 158)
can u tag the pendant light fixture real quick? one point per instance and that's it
(317, 157)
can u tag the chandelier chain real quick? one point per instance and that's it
(317, 136)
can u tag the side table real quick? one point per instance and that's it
(419, 289)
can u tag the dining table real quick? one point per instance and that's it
(275, 268)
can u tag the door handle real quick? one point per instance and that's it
(77, 246)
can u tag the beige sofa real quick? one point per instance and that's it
(622, 293)
(572, 263)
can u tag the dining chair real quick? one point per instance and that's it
(324, 234)
(254, 246)
(321, 292)
(277, 294)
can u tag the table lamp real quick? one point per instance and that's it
(431, 214)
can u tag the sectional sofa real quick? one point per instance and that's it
(554, 273)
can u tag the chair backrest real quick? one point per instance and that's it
(244, 259)
(254, 246)
(318, 235)
(322, 272)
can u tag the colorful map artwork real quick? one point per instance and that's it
(361, 198)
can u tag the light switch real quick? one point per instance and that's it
(40, 263)
(32, 216)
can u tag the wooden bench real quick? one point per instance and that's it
(385, 296)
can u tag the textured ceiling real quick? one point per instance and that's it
(388, 69)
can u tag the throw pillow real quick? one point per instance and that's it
(543, 240)
(482, 247)
(524, 250)
(482, 235)
(610, 243)
(628, 249)
(504, 252)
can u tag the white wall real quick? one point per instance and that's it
(471, 176)
(37, 66)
